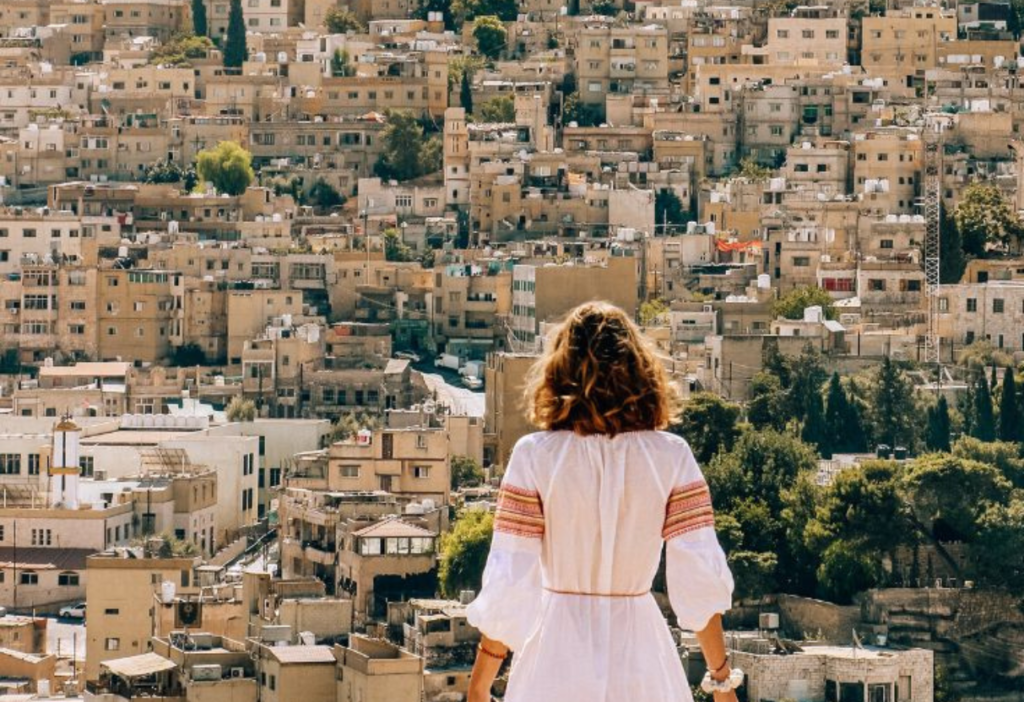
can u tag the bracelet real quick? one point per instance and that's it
(482, 649)
(719, 669)
(710, 685)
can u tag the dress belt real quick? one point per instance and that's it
(598, 594)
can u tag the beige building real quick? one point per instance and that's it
(992, 311)
(903, 44)
(297, 672)
(505, 412)
(123, 594)
(412, 463)
(887, 167)
(371, 670)
(808, 36)
(138, 313)
(629, 60)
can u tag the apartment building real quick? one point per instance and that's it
(413, 463)
(887, 169)
(375, 671)
(504, 419)
(902, 44)
(810, 35)
(991, 311)
(138, 313)
(160, 19)
(86, 21)
(627, 60)
(416, 83)
(471, 305)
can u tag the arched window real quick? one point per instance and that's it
(68, 579)
(29, 577)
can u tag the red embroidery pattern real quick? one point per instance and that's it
(688, 509)
(520, 512)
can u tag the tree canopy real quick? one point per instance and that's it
(236, 51)
(240, 410)
(199, 25)
(708, 423)
(498, 109)
(407, 153)
(490, 35)
(339, 20)
(227, 166)
(792, 304)
(465, 472)
(986, 218)
(464, 552)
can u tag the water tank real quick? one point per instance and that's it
(364, 437)
(466, 596)
(900, 453)
(764, 281)
(122, 252)
(207, 672)
(883, 451)
(307, 638)
(167, 591)
(768, 620)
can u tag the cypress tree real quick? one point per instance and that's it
(235, 49)
(466, 93)
(837, 412)
(984, 418)
(937, 437)
(952, 261)
(1009, 410)
(814, 429)
(199, 27)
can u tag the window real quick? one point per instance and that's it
(807, 34)
(997, 306)
(421, 472)
(112, 644)
(880, 693)
(885, 244)
(112, 611)
(33, 464)
(972, 304)
(801, 261)
(876, 285)
(88, 465)
(10, 464)
(782, 34)
(349, 471)
(29, 577)
(67, 579)
(831, 33)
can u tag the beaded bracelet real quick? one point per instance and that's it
(710, 685)
(491, 654)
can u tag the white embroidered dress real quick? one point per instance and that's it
(578, 537)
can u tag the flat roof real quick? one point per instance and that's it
(303, 654)
(134, 437)
(92, 368)
(138, 666)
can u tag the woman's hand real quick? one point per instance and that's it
(729, 696)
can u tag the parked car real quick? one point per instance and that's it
(472, 382)
(73, 611)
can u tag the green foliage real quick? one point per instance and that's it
(190, 354)
(228, 167)
(1009, 409)
(605, 8)
(583, 114)
(767, 408)
(407, 153)
(669, 209)
(708, 424)
(499, 109)
(652, 312)
(998, 557)
(394, 248)
(983, 353)
(1006, 457)
(814, 430)
(199, 18)
(466, 472)
(844, 428)
(338, 20)
(324, 195)
(466, 92)
(937, 434)
(341, 65)
(983, 423)
(952, 261)
(845, 570)
(792, 304)
(751, 170)
(425, 7)
(165, 172)
(894, 413)
(490, 35)
(240, 410)
(180, 50)
(347, 425)
(986, 218)
(173, 547)
(236, 51)
(464, 552)
(753, 572)
(469, 10)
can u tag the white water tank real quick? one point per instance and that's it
(167, 591)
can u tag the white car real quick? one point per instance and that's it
(73, 611)
(408, 356)
(472, 382)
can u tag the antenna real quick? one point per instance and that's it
(933, 145)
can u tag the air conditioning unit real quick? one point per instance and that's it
(238, 672)
(768, 620)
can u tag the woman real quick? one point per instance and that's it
(584, 508)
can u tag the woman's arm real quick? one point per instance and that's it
(489, 657)
(712, 642)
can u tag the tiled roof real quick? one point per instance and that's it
(393, 528)
(43, 558)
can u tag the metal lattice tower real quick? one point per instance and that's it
(932, 238)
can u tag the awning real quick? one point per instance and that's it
(138, 666)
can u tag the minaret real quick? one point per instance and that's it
(64, 467)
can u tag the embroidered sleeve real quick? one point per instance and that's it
(519, 513)
(688, 509)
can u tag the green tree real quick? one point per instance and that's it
(843, 425)
(407, 153)
(807, 378)
(751, 170)
(341, 64)
(499, 109)
(1006, 457)
(324, 195)
(338, 20)
(984, 217)
(709, 424)
(227, 166)
(1009, 409)
(846, 570)
(394, 248)
(792, 304)
(894, 409)
(583, 114)
(605, 8)
(997, 557)
(190, 354)
(199, 18)
(938, 432)
(464, 552)
(236, 52)
(774, 362)
(240, 410)
(469, 10)
(768, 405)
(652, 311)
(466, 472)
(951, 247)
(466, 93)
(983, 424)
(181, 50)
(349, 424)
(814, 430)
(490, 35)
(669, 209)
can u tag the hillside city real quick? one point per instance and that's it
(273, 273)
